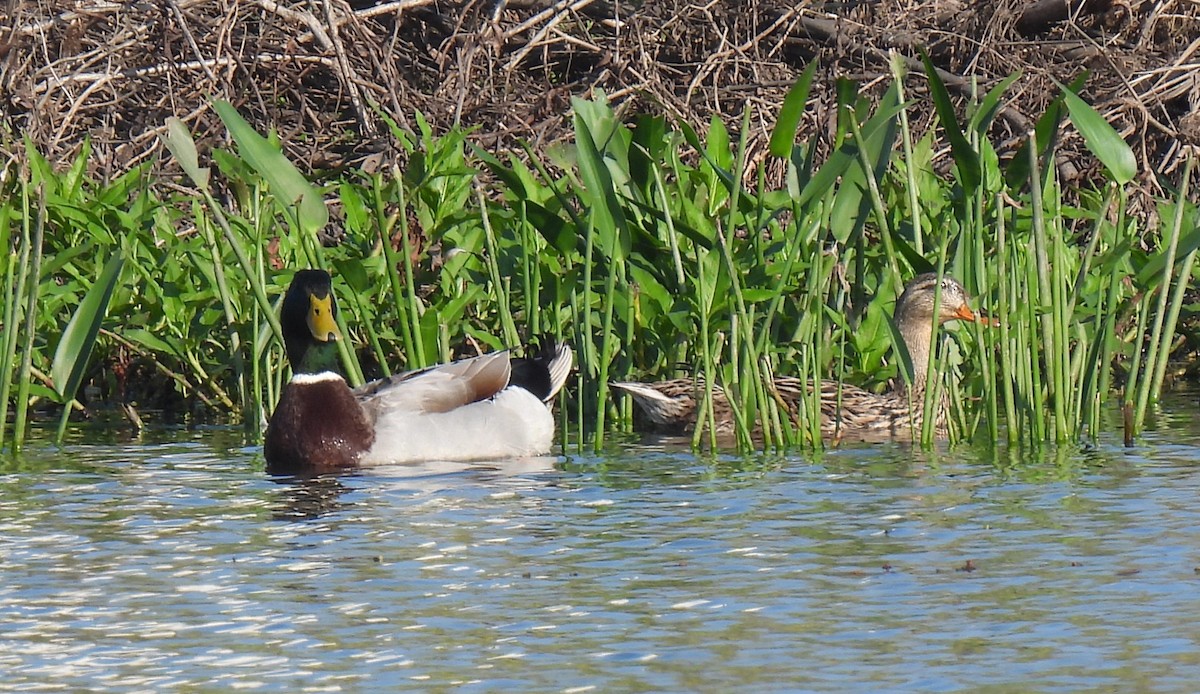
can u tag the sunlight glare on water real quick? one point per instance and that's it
(174, 562)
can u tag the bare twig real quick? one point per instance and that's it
(110, 72)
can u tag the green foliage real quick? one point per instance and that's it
(291, 190)
(649, 245)
(79, 337)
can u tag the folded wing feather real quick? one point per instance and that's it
(440, 388)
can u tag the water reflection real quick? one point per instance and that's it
(163, 564)
(307, 498)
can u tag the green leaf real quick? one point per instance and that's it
(965, 158)
(1046, 132)
(1101, 138)
(784, 134)
(919, 264)
(648, 150)
(288, 185)
(354, 275)
(649, 286)
(606, 211)
(1150, 274)
(754, 295)
(152, 342)
(509, 177)
(718, 149)
(75, 347)
(557, 232)
(990, 104)
(358, 217)
(179, 140)
(852, 204)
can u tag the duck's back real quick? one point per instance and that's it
(463, 410)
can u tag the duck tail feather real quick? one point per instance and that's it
(643, 394)
(560, 367)
(545, 370)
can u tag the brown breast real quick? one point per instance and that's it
(316, 427)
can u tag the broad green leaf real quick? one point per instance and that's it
(784, 134)
(754, 295)
(599, 118)
(179, 140)
(683, 225)
(690, 136)
(648, 150)
(453, 309)
(606, 211)
(53, 264)
(290, 188)
(530, 186)
(38, 390)
(354, 275)
(919, 264)
(512, 182)
(72, 180)
(41, 173)
(846, 156)
(649, 286)
(719, 148)
(1101, 138)
(75, 346)
(1150, 274)
(400, 135)
(560, 235)
(852, 204)
(1046, 130)
(358, 217)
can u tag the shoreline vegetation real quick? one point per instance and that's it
(654, 249)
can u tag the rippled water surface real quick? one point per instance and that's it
(172, 561)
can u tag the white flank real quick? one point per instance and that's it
(323, 377)
(513, 424)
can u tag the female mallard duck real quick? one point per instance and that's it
(484, 408)
(846, 410)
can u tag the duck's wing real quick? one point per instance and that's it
(842, 405)
(861, 412)
(439, 388)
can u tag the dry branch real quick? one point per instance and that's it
(1042, 15)
(316, 70)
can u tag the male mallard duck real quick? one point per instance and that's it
(853, 412)
(484, 408)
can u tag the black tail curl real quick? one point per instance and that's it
(543, 369)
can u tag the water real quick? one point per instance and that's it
(173, 562)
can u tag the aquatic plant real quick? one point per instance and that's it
(657, 250)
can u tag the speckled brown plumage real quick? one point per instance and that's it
(847, 411)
